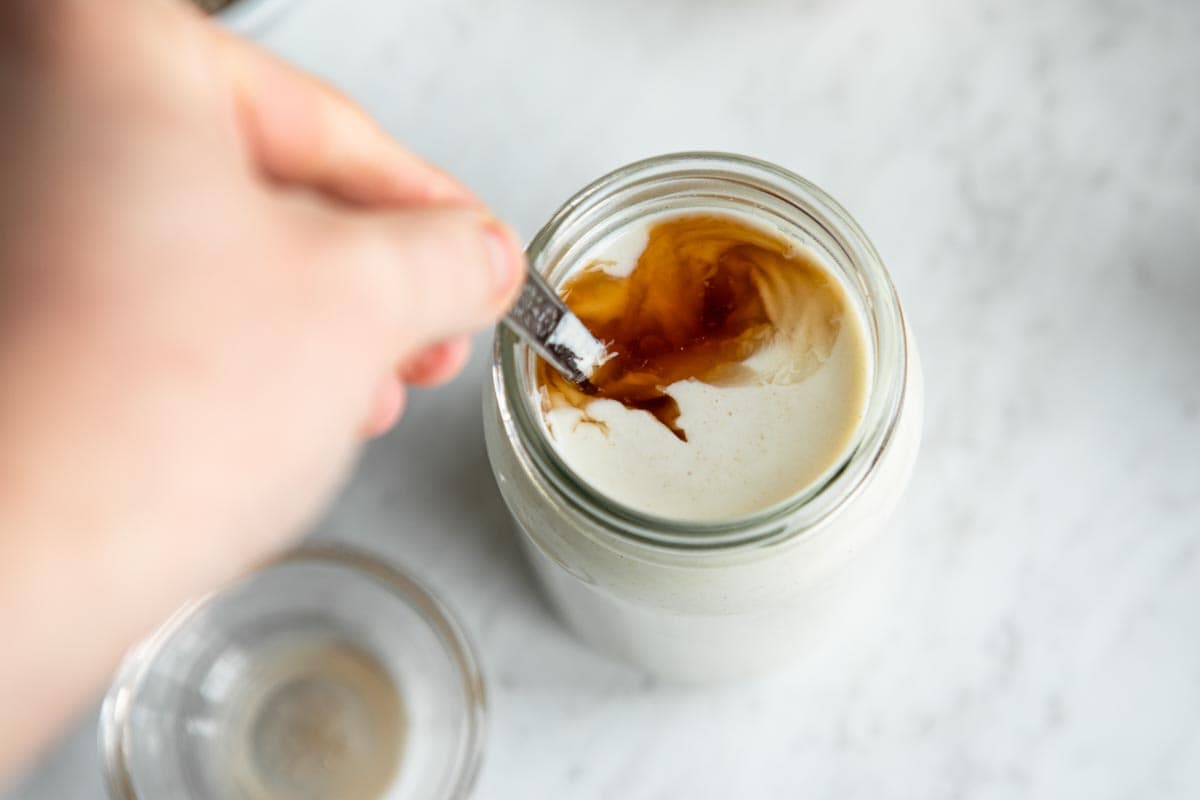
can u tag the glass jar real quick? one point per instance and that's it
(327, 674)
(247, 17)
(705, 601)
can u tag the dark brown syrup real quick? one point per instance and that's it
(708, 292)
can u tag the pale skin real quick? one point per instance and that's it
(217, 277)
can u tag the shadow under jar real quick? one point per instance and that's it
(701, 597)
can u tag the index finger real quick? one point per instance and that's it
(302, 131)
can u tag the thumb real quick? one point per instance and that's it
(432, 273)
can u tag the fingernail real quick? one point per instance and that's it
(502, 251)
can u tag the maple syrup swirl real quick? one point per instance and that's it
(712, 299)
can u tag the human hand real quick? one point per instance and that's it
(216, 277)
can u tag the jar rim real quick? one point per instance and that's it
(814, 209)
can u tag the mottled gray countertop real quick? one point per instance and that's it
(1030, 172)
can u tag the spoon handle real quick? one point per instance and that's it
(543, 321)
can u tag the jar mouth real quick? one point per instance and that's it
(690, 181)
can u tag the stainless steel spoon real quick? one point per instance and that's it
(542, 320)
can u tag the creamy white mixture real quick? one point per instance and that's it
(749, 446)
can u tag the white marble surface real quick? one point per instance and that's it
(1030, 171)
